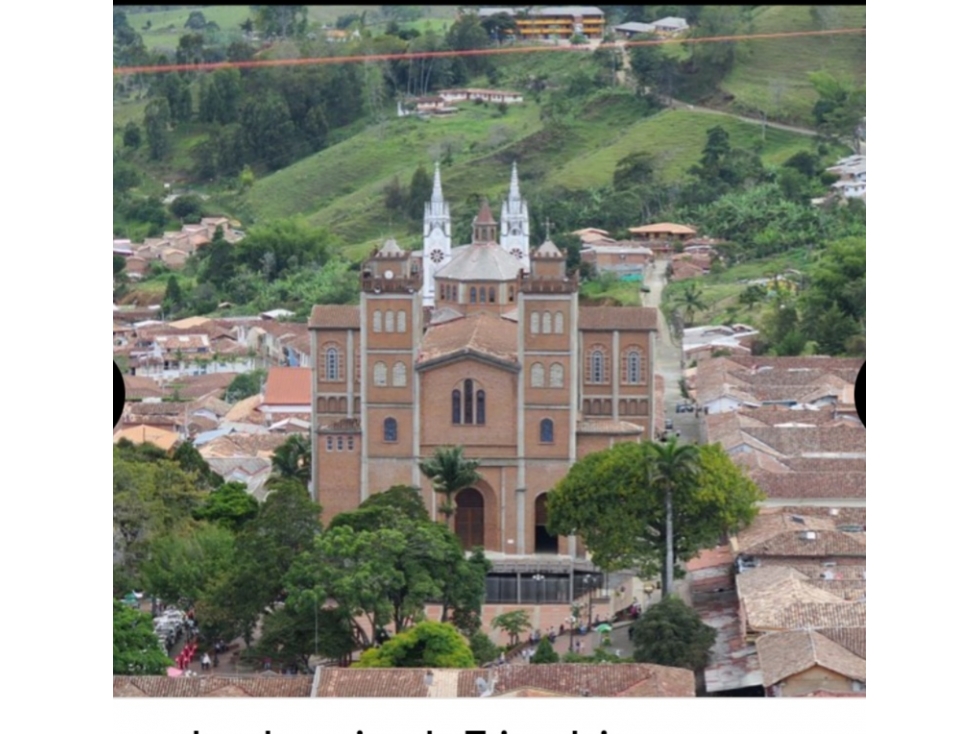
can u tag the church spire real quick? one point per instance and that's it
(514, 184)
(437, 185)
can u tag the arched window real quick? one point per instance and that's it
(339, 443)
(557, 375)
(380, 374)
(332, 367)
(632, 366)
(597, 366)
(389, 321)
(546, 327)
(467, 416)
(559, 323)
(534, 323)
(442, 291)
(456, 407)
(511, 294)
(547, 431)
(350, 443)
(402, 322)
(331, 405)
(537, 375)
(482, 294)
(329, 443)
(378, 316)
(399, 375)
(472, 294)
(455, 294)
(390, 430)
(492, 294)
(480, 408)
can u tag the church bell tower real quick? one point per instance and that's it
(515, 223)
(437, 233)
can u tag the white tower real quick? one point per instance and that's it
(437, 234)
(515, 223)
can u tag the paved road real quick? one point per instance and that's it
(668, 356)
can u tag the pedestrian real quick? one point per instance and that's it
(630, 634)
(206, 662)
(502, 659)
(267, 664)
(560, 631)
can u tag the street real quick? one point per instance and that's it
(668, 357)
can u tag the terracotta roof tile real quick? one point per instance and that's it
(200, 386)
(289, 386)
(335, 317)
(608, 427)
(481, 333)
(611, 318)
(372, 683)
(623, 679)
(853, 639)
(212, 686)
(784, 654)
(138, 388)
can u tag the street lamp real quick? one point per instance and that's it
(590, 585)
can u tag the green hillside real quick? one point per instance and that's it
(342, 187)
(771, 75)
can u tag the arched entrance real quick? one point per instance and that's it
(469, 518)
(544, 542)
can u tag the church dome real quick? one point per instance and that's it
(488, 262)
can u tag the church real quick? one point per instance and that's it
(484, 345)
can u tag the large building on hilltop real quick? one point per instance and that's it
(481, 344)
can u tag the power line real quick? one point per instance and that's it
(474, 52)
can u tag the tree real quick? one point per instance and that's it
(671, 468)
(426, 645)
(653, 68)
(615, 502)
(635, 169)
(752, 295)
(218, 267)
(671, 633)
(156, 120)
(229, 506)
(196, 20)
(281, 20)
(190, 460)
(188, 208)
(131, 136)
(513, 623)
(292, 634)
(180, 567)
(244, 386)
(483, 648)
(545, 653)
(386, 572)
(691, 302)
(449, 473)
(135, 648)
(173, 298)
(293, 459)
(419, 190)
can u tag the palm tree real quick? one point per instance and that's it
(692, 302)
(671, 468)
(450, 472)
(293, 459)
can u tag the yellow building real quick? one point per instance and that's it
(557, 22)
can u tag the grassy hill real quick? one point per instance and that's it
(342, 187)
(771, 75)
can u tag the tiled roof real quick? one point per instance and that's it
(480, 262)
(784, 654)
(485, 215)
(147, 434)
(183, 342)
(755, 379)
(840, 515)
(241, 410)
(663, 228)
(608, 427)
(214, 686)
(289, 386)
(138, 388)
(785, 534)
(810, 615)
(611, 318)
(623, 679)
(199, 386)
(244, 444)
(853, 639)
(372, 683)
(443, 315)
(335, 317)
(548, 249)
(838, 439)
(812, 485)
(481, 333)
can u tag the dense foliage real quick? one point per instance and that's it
(671, 633)
(426, 645)
(615, 502)
(135, 649)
